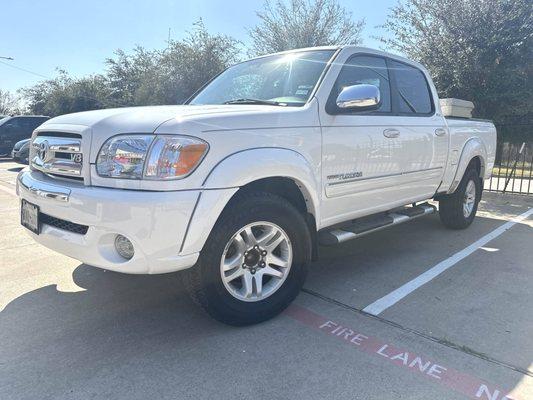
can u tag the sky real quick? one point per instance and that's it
(78, 35)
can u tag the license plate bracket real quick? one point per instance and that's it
(29, 216)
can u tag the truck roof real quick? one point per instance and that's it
(349, 47)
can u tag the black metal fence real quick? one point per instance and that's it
(513, 169)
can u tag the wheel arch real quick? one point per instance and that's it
(474, 153)
(283, 172)
(262, 164)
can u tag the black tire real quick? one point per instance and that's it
(451, 206)
(204, 281)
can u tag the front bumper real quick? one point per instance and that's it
(155, 222)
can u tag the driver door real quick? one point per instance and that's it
(362, 154)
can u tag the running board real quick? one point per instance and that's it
(373, 223)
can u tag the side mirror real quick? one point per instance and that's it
(359, 97)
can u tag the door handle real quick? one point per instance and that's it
(391, 133)
(440, 132)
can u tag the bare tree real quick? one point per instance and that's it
(9, 104)
(140, 77)
(171, 76)
(303, 23)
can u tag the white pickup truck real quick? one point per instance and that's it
(240, 186)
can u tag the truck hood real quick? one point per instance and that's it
(146, 119)
(98, 126)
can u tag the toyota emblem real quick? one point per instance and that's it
(43, 150)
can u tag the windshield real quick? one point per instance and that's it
(285, 79)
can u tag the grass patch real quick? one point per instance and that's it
(520, 172)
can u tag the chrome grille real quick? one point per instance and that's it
(57, 155)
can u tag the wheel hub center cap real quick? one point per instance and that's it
(252, 258)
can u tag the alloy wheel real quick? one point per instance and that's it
(256, 261)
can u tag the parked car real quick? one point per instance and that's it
(238, 187)
(21, 151)
(18, 127)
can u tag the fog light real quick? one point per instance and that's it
(124, 247)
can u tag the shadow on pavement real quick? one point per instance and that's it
(16, 169)
(113, 304)
(139, 336)
(58, 340)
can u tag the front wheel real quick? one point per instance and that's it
(253, 264)
(457, 210)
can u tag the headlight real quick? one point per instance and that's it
(150, 156)
(174, 156)
(123, 156)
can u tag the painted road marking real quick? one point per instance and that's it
(395, 296)
(470, 386)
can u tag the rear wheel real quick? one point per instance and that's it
(457, 210)
(253, 264)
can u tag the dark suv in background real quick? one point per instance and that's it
(16, 128)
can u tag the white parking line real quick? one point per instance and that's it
(395, 296)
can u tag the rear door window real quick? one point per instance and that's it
(40, 121)
(32, 123)
(412, 95)
(27, 124)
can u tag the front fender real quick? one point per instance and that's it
(248, 166)
(240, 169)
(474, 147)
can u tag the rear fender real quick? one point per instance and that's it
(474, 147)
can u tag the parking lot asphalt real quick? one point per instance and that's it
(71, 331)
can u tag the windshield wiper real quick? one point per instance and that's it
(255, 101)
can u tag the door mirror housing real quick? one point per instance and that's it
(359, 97)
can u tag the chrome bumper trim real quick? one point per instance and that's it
(43, 189)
